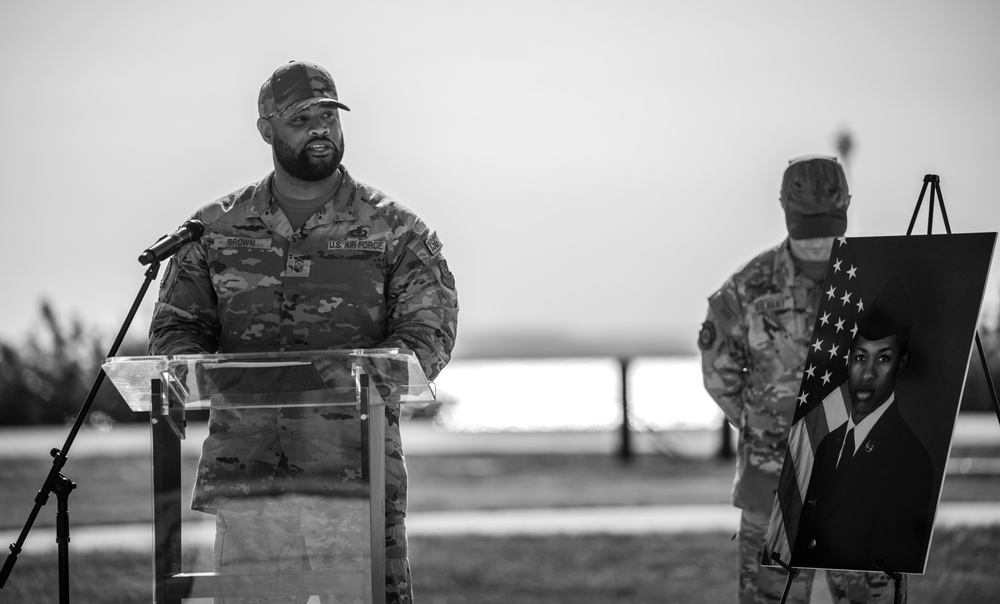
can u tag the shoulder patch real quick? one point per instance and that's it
(433, 243)
(447, 278)
(706, 337)
(723, 309)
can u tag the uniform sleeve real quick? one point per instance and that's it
(723, 345)
(184, 319)
(422, 303)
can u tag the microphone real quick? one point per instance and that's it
(167, 246)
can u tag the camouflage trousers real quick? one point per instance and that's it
(764, 584)
(296, 533)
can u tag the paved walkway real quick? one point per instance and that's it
(422, 438)
(545, 521)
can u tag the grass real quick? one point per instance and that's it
(436, 483)
(691, 568)
(520, 569)
(591, 569)
(111, 489)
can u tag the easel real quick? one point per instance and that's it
(935, 182)
(935, 188)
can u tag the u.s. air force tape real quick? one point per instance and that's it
(357, 245)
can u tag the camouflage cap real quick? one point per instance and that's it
(815, 196)
(296, 83)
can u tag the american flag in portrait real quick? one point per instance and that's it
(821, 405)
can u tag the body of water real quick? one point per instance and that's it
(665, 393)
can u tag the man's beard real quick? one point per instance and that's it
(304, 167)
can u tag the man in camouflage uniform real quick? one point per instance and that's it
(753, 346)
(306, 259)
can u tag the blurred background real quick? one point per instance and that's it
(595, 170)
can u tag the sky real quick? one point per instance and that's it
(595, 170)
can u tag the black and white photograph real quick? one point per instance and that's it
(499, 301)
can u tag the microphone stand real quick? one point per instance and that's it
(55, 481)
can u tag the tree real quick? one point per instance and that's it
(47, 380)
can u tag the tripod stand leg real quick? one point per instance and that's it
(63, 487)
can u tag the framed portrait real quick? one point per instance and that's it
(881, 389)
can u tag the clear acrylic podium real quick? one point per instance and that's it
(260, 388)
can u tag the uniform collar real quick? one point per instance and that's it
(343, 206)
(863, 428)
(260, 199)
(784, 266)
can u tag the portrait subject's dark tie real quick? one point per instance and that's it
(848, 452)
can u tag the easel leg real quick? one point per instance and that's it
(792, 573)
(935, 186)
(989, 378)
(897, 581)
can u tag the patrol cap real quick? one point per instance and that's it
(296, 83)
(815, 196)
(889, 314)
